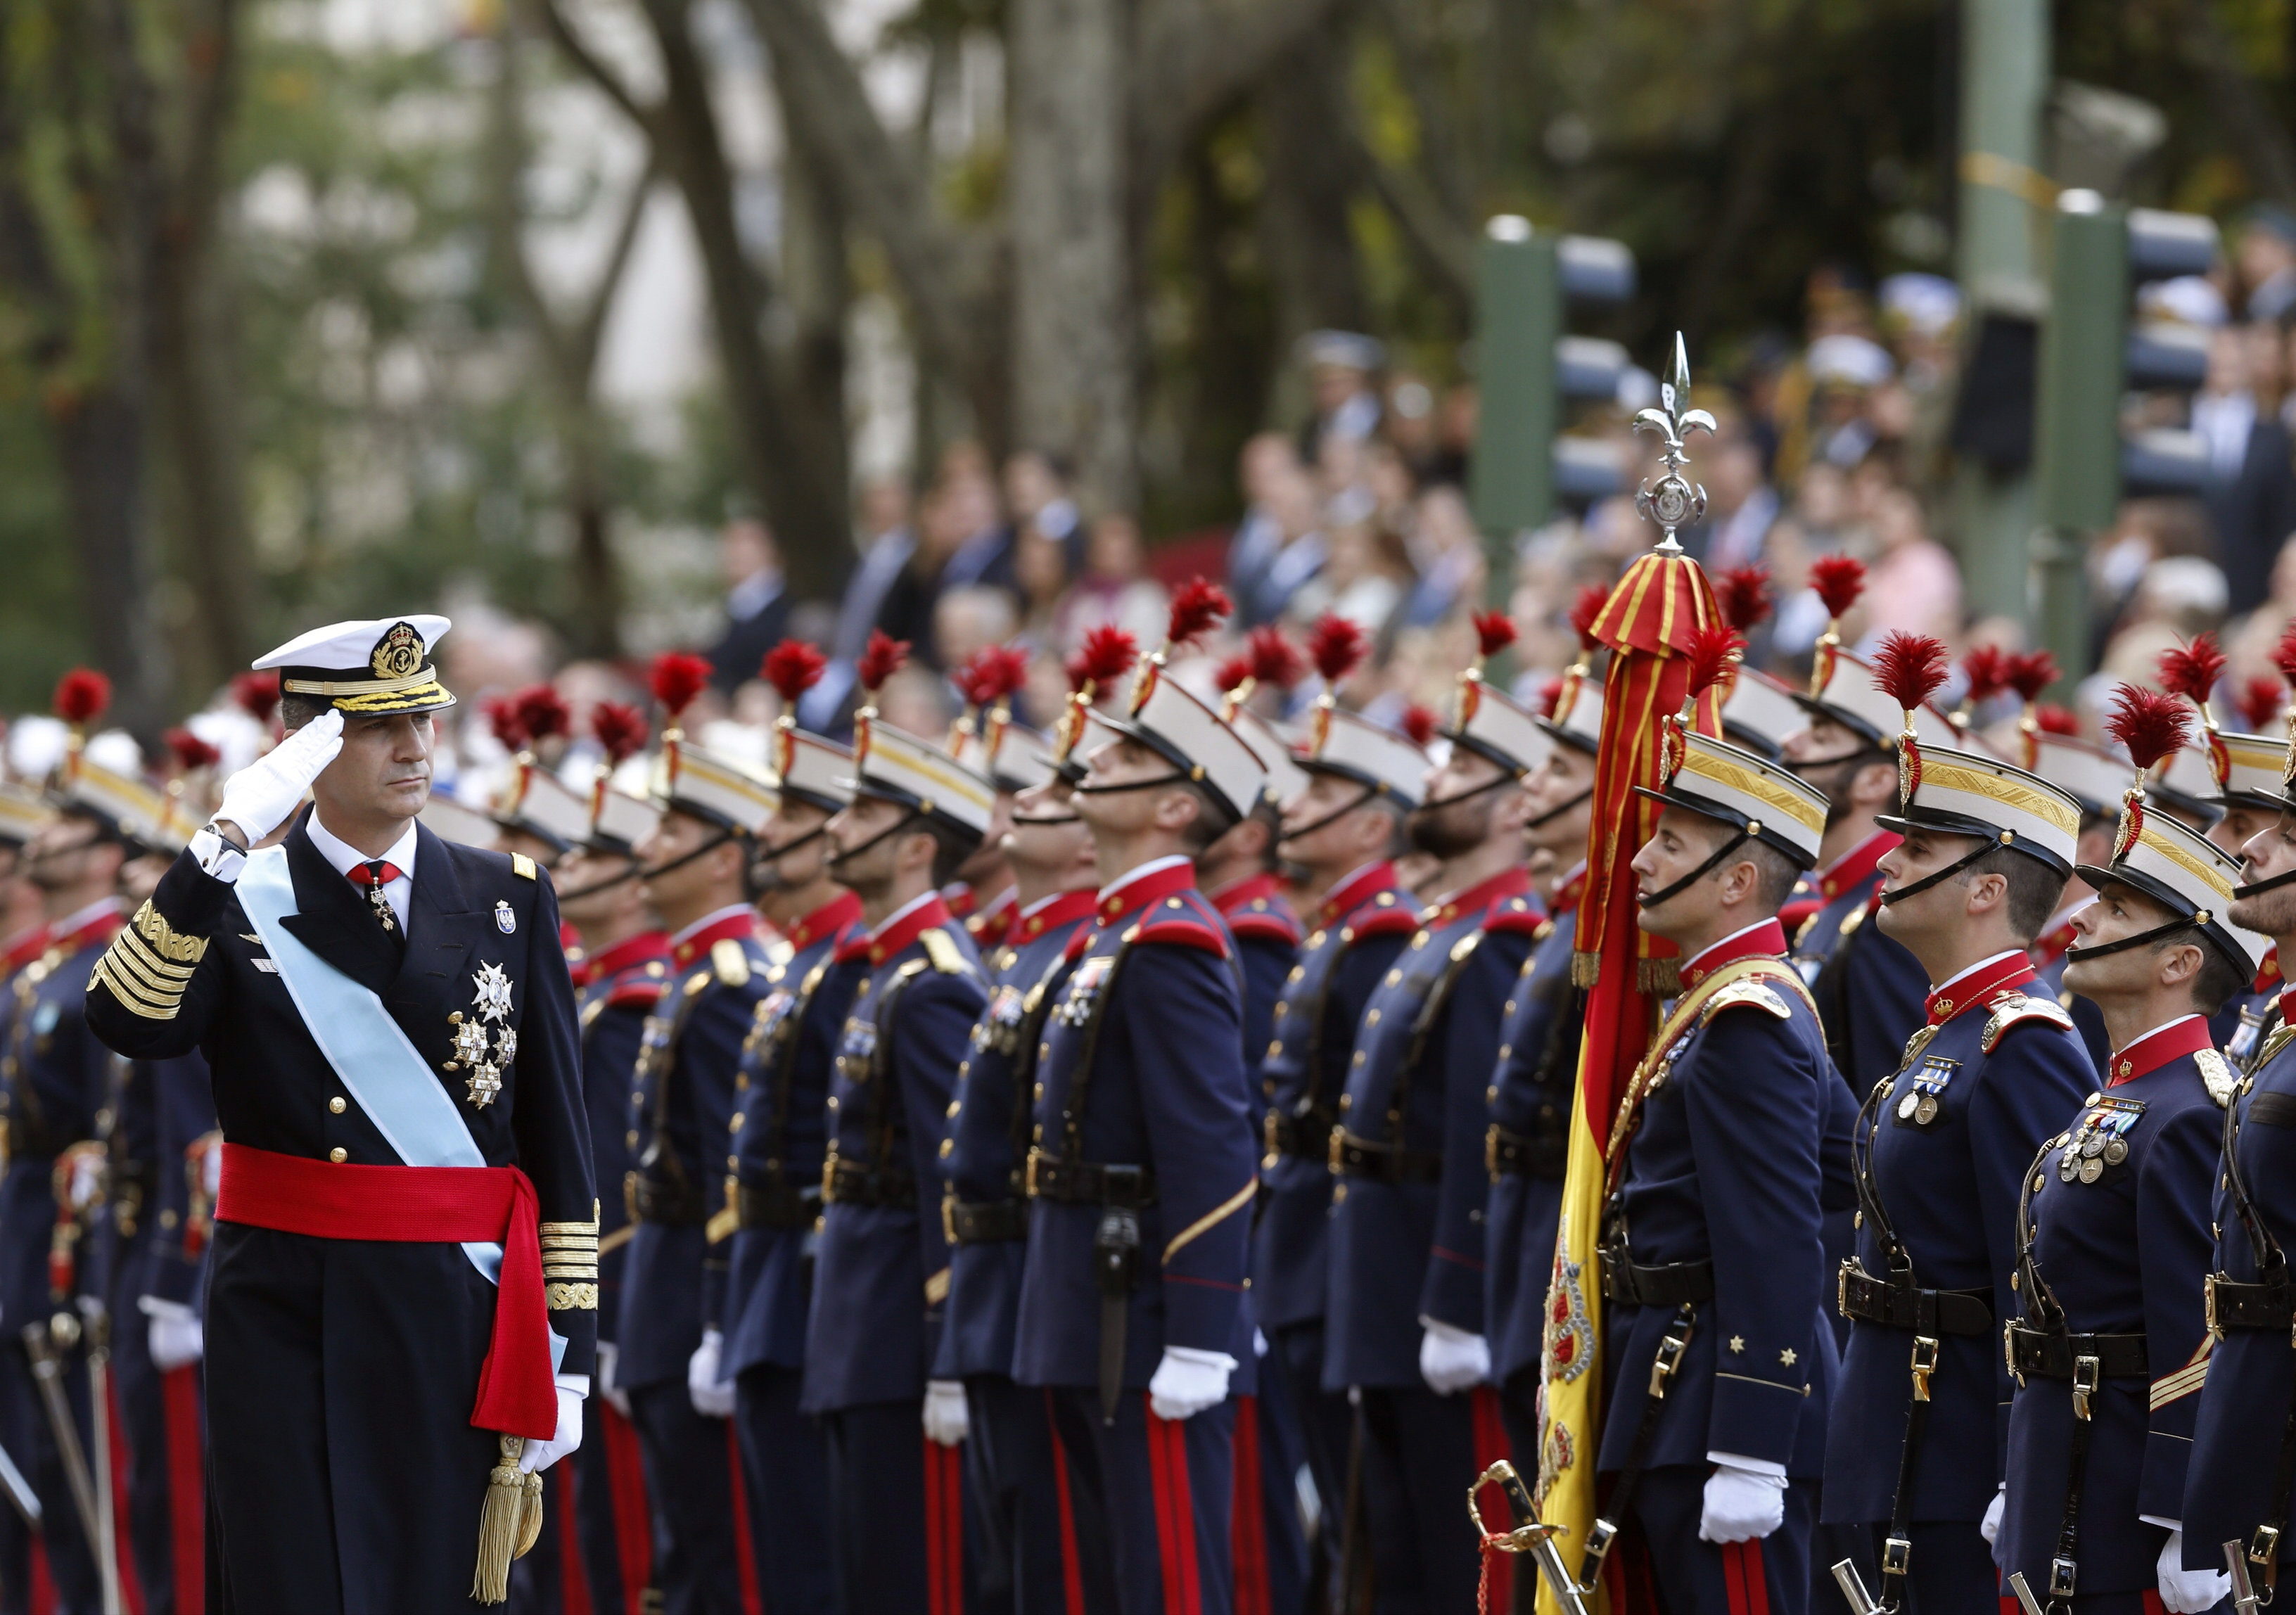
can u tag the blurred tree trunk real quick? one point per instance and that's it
(817, 286)
(1315, 172)
(1074, 307)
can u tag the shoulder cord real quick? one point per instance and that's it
(1036, 1009)
(655, 1065)
(1080, 1078)
(2271, 1261)
(885, 1121)
(1423, 1026)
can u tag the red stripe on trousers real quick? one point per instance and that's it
(943, 1529)
(745, 1551)
(1490, 1445)
(633, 1514)
(131, 1587)
(1176, 1516)
(44, 1586)
(187, 1505)
(573, 1575)
(2153, 1604)
(1742, 1578)
(953, 1511)
(1247, 1527)
(1071, 1570)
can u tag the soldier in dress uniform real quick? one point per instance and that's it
(698, 878)
(400, 1318)
(1133, 1310)
(2094, 778)
(2243, 1470)
(1535, 1083)
(882, 1282)
(780, 1137)
(1914, 1437)
(1405, 1329)
(1718, 1356)
(623, 970)
(2110, 1344)
(1343, 828)
(2248, 769)
(1013, 1496)
(537, 814)
(24, 938)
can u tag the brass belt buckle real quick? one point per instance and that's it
(948, 1216)
(2264, 1546)
(1034, 1155)
(1841, 1285)
(1897, 1556)
(2086, 1370)
(1925, 1362)
(2209, 1307)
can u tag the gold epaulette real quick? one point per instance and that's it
(150, 965)
(2010, 1008)
(731, 962)
(521, 866)
(1749, 991)
(570, 1264)
(947, 957)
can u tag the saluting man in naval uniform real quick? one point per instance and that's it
(2110, 1344)
(402, 1310)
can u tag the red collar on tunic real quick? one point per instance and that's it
(2187, 1035)
(90, 934)
(1979, 985)
(830, 920)
(30, 946)
(1481, 898)
(740, 927)
(1854, 865)
(1266, 888)
(1352, 893)
(1569, 893)
(1768, 937)
(1066, 908)
(627, 954)
(2268, 975)
(884, 944)
(1131, 897)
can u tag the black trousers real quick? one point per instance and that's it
(895, 1511)
(785, 1473)
(1419, 1456)
(689, 1471)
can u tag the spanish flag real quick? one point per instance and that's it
(1647, 624)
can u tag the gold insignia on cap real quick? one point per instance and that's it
(398, 653)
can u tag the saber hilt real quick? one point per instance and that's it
(1853, 1588)
(1529, 1535)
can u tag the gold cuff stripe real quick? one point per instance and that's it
(138, 968)
(569, 1242)
(128, 942)
(590, 1228)
(936, 1288)
(134, 999)
(571, 1297)
(166, 940)
(584, 1271)
(1212, 1218)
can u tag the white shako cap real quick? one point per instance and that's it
(2091, 776)
(2251, 770)
(361, 668)
(1843, 687)
(1761, 711)
(2188, 781)
(1390, 765)
(1970, 794)
(709, 785)
(1269, 659)
(813, 768)
(536, 801)
(1745, 789)
(120, 801)
(1285, 778)
(451, 820)
(22, 814)
(1489, 721)
(1577, 720)
(619, 822)
(896, 765)
(1191, 736)
(1011, 753)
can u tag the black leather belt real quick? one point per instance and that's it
(1308, 1136)
(2038, 1354)
(1089, 1182)
(778, 1204)
(2237, 1306)
(849, 1182)
(986, 1222)
(672, 1205)
(1674, 1285)
(1868, 1300)
(1512, 1155)
(1353, 1157)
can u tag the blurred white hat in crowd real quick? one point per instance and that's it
(1854, 361)
(2189, 300)
(1928, 303)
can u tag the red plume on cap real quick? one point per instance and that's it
(82, 696)
(256, 694)
(1838, 580)
(678, 676)
(1003, 670)
(1196, 606)
(1909, 669)
(2030, 674)
(792, 667)
(1494, 633)
(1275, 659)
(1337, 646)
(1714, 651)
(2192, 671)
(881, 658)
(2284, 654)
(973, 681)
(1234, 675)
(1987, 669)
(1549, 693)
(2152, 724)
(1584, 611)
(1419, 724)
(1744, 592)
(502, 718)
(2259, 699)
(1106, 656)
(191, 754)
(2053, 719)
(620, 728)
(543, 714)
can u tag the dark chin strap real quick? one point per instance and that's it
(1331, 818)
(1695, 876)
(631, 873)
(706, 847)
(1861, 757)
(844, 855)
(1899, 894)
(1485, 789)
(2073, 955)
(1173, 778)
(1025, 818)
(2270, 884)
(1556, 812)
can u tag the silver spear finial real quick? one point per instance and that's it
(1673, 501)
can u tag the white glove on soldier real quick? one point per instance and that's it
(1188, 1380)
(1742, 1503)
(86, 1178)
(610, 1360)
(1450, 1359)
(945, 1419)
(177, 1337)
(1989, 1528)
(713, 1396)
(2184, 1592)
(259, 797)
(542, 1455)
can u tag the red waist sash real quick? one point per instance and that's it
(423, 1205)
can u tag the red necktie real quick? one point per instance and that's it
(374, 877)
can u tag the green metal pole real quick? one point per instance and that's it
(2077, 424)
(1517, 317)
(2004, 75)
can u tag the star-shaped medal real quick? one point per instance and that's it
(493, 999)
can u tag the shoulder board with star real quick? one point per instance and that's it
(1513, 918)
(1751, 993)
(947, 957)
(2217, 1074)
(2014, 1009)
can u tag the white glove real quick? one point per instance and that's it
(259, 797)
(1989, 1528)
(86, 1178)
(1188, 1380)
(1451, 1360)
(542, 1455)
(177, 1336)
(945, 1419)
(211, 1169)
(2185, 1591)
(610, 1362)
(1741, 1504)
(713, 1397)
